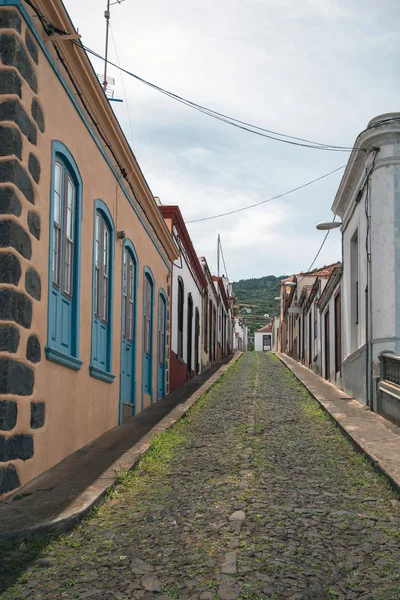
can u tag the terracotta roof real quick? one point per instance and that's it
(325, 271)
(264, 329)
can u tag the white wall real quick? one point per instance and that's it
(240, 332)
(190, 287)
(258, 340)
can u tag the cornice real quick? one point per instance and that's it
(329, 288)
(381, 131)
(86, 80)
(174, 213)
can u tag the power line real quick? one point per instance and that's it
(231, 212)
(255, 129)
(122, 79)
(223, 260)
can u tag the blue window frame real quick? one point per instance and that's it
(64, 259)
(102, 303)
(148, 324)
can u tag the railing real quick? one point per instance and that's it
(390, 367)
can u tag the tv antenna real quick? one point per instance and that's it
(106, 80)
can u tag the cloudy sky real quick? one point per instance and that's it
(319, 69)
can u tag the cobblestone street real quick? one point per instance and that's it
(254, 494)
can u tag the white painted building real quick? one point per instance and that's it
(241, 334)
(188, 288)
(368, 203)
(263, 339)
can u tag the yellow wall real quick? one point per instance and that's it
(79, 408)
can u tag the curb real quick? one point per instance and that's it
(358, 445)
(66, 522)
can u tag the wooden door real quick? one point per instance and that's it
(327, 346)
(338, 335)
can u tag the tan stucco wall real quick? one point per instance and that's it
(79, 408)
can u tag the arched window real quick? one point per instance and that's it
(148, 318)
(181, 296)
(64, 272)
(103, 267)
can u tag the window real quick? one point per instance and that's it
(180, 317)
(315, 321)
(129, 295)
(64, 275)
(147, 315)
(354, 269)
(101, 267)
(147, 358)
(103, 262)
(161, 330)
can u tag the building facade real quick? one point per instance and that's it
(85, 255)
(263, 339)
(189, 287)
(241, 334)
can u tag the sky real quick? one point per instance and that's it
(317, 69)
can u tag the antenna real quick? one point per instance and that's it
(107, 81)
(218, 246)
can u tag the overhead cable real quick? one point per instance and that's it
(299, 187)
(257, 130)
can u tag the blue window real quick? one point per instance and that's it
(64, 264)
(103, 262)
(148, 309)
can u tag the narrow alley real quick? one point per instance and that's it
(254, 494)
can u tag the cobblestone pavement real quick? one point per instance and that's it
(255, 494)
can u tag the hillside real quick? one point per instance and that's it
(258, 295)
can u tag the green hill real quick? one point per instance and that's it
(258, 295)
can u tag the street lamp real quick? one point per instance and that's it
(291, 284)
(328, 225)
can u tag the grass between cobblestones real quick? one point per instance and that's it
(320, 522)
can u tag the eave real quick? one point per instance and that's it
(81, 69)
(174, 213)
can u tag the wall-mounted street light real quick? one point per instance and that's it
(327, 225)
(291, 284)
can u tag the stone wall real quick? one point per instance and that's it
(21, 125)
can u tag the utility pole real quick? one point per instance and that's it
(107, 17)
(218, 249)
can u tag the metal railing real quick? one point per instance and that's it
(390, 367)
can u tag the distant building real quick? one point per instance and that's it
(189, 286)
(263, 339)
(241, 333)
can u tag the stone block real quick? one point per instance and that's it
(10, 83)
(32, 48)
(17, 446)
(34, 167)
(14, 236)
(10, 19)
(11, 171)
(34, 224)
(12, 110)
(9, 202)
(15, 377)
(8, 415)
(33, 351)
(13, 54)
(15, 306)
(10, 141)
(37, 114)
(9, 479)
(9, 338)
(38, 414)
(10, 269)
(32, 284)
